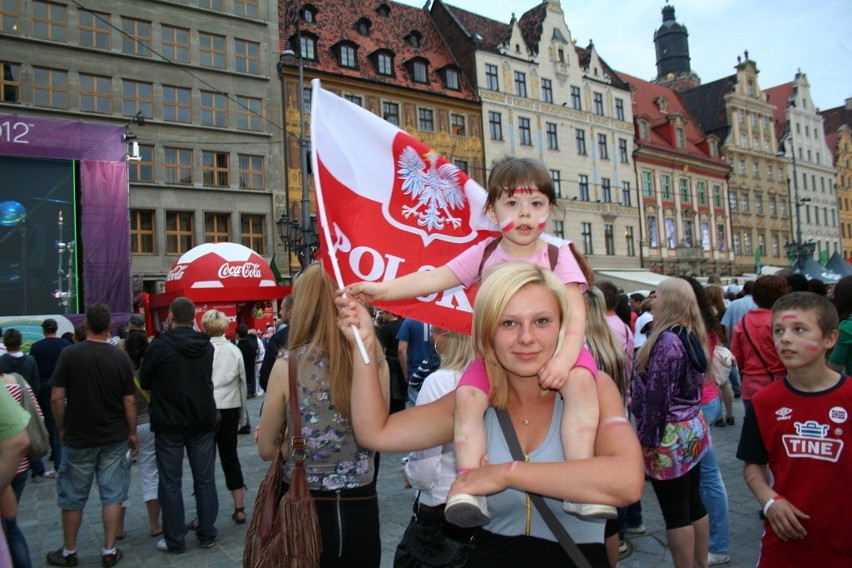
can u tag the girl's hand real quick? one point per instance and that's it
(553, 375)
(366, 291)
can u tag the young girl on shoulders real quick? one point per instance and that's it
(520, 200)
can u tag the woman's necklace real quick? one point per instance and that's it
(542, 396)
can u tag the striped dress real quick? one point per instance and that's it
(15, 390)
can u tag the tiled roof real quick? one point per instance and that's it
(492, 32)
(707, 104)
(778, 96)
(532, 24)
(645, 95)
(834, 119)
(335, 22)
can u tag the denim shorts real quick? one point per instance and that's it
(109, 464)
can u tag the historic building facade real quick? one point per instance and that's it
(682, 186)
(809, 169)
(735, 110)
(388, 58)
(544, 98)
(838, 133)
(191, 80)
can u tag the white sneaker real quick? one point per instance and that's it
(717, 559)
(467, 511)
(589, 510)
(638, 529)
(259, 392)
(51, 474)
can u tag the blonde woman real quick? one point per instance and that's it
(341, 473)
(603, 343)
(518, 322)
(229, 391)
(666, 402)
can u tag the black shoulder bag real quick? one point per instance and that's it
(562, 536)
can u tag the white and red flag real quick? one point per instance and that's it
(389, 206)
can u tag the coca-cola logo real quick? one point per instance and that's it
(244, 270)
(176, 273)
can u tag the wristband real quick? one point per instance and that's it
(771, 502)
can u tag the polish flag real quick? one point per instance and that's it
(389, 205)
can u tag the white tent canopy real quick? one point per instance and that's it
(632, 280)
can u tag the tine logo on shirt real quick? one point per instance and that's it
(811, 441)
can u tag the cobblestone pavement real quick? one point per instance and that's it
(39, 517)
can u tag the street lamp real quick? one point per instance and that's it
(803, 250)
(298, 236)
(296, 239)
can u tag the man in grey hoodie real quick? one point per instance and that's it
(178, 370)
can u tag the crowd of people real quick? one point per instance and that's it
(108, 400)
(530, 440)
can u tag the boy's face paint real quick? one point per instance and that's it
(798, 338)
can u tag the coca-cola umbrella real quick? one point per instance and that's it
(219, 272)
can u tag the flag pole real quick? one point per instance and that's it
(338, 276)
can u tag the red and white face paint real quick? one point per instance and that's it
(507, 225)
(522, 215)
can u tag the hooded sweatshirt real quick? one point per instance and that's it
(669, 390)
(178, 370)
(22, 364)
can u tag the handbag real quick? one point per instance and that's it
(424, 546)
(562, 536)
(39, 438)
(284, 529)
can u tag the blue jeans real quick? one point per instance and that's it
(629, 516)
(18, 548)
(713, 492)
(109, 465)
(201, 452)
(735, 379)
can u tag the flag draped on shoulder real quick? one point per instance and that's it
(389, 205)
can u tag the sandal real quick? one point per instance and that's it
(239, 515)
(193, 525)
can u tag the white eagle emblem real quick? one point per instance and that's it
(435, 189)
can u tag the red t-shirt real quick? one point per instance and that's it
(805, 438)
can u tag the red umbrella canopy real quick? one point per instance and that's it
(219, 266)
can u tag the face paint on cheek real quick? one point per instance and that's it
(811, 345)
(507, 225)
(542, 223)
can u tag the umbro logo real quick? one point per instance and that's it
(784, 413)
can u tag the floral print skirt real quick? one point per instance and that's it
(681, 448)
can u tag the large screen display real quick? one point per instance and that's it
(38, 236)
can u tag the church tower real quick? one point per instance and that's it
(672, 43)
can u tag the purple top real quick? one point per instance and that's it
(668, 391)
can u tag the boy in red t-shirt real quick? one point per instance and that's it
(799, 428)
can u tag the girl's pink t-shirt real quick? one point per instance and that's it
(466, 265)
